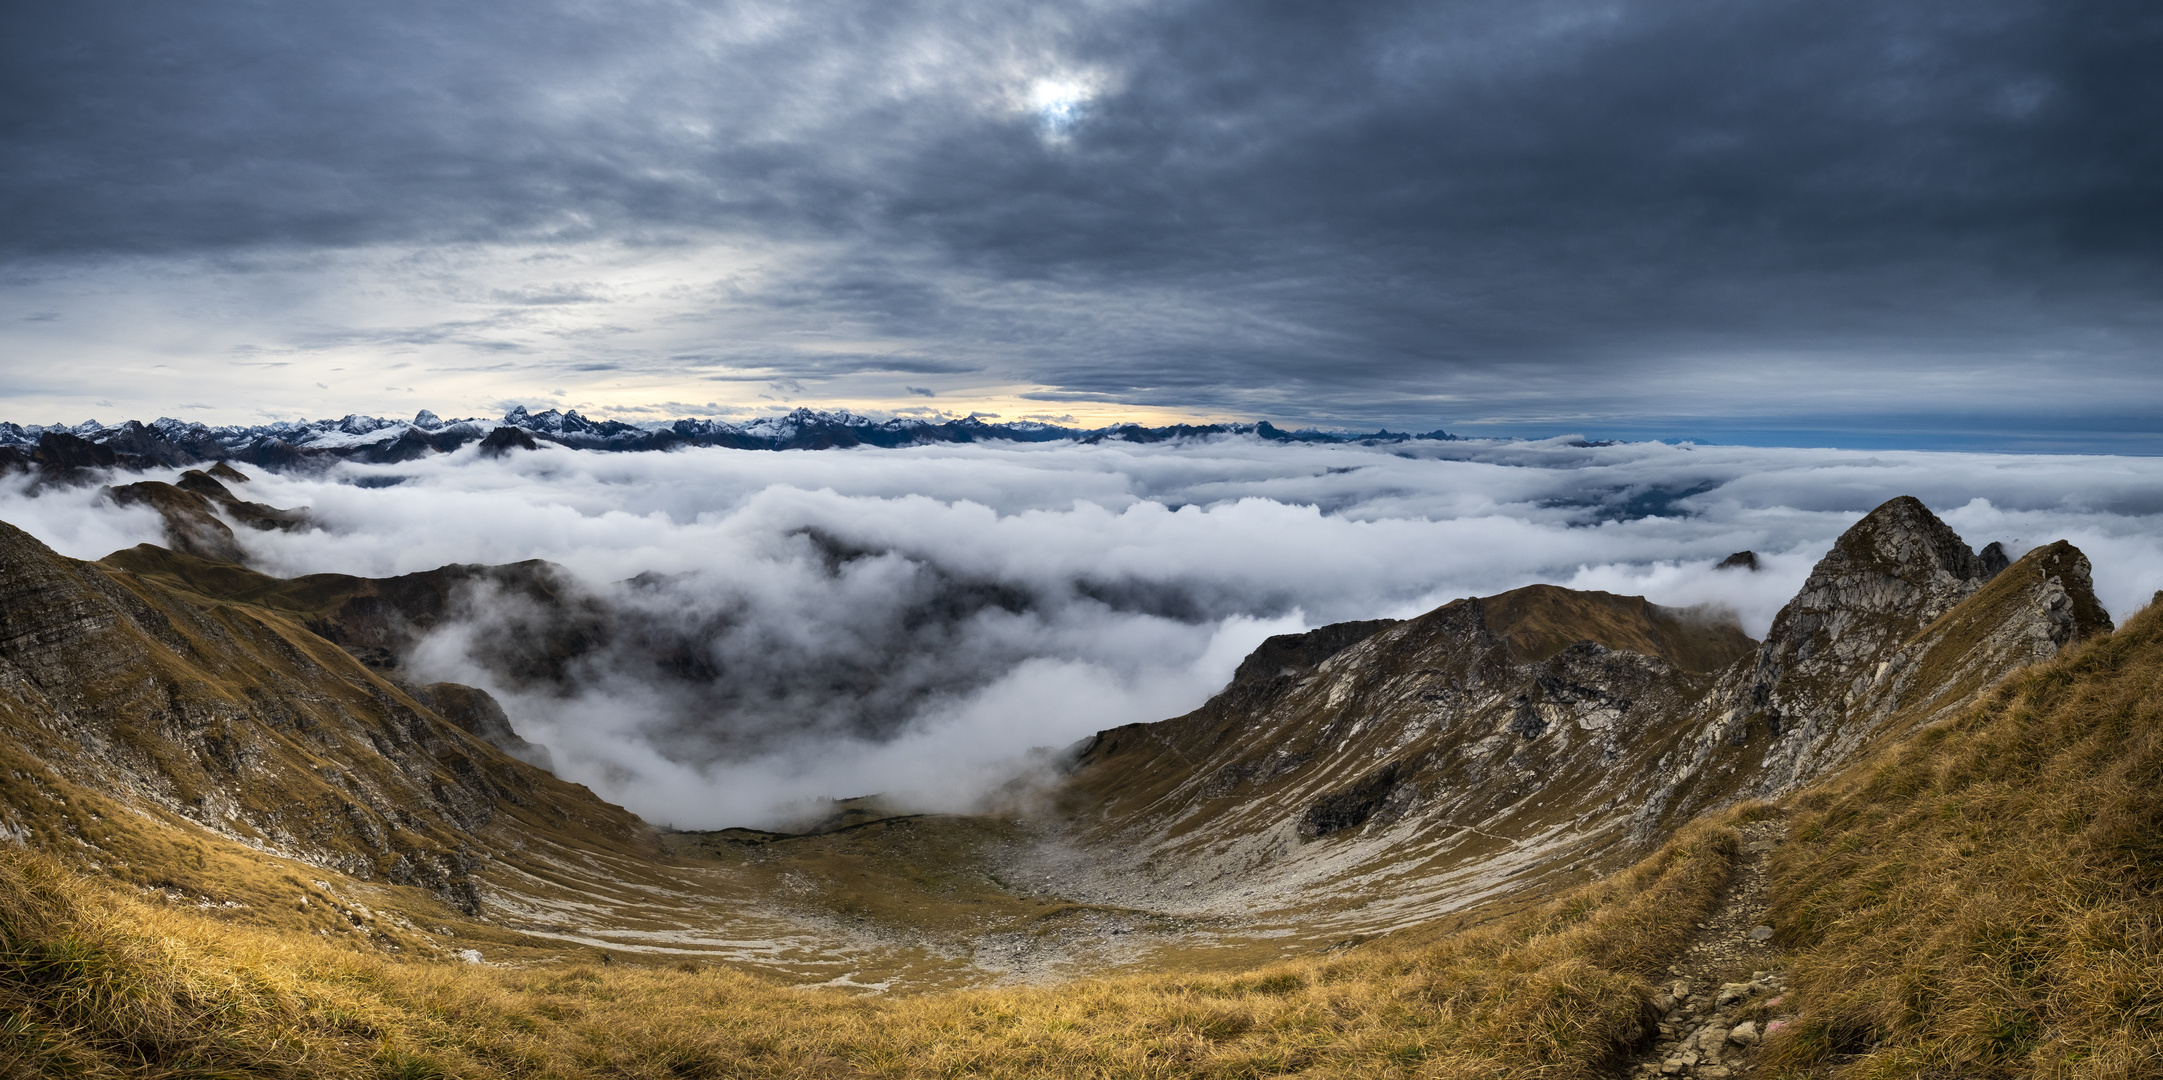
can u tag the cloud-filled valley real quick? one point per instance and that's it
(751, 631)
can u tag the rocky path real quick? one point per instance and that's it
(1727, 990)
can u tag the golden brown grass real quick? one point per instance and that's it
(1986, 899)
(1983, 899)
(96, 984)
(1538, 621)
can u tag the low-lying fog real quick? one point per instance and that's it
(913, 622)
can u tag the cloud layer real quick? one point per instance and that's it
(773, 628)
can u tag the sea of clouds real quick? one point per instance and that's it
(764, 630)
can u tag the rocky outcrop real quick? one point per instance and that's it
(1356, 805)
(1293, 655)
(1994, 559)
(195, 511)
(1886, 578)
(192, 527)
(478, 714)
(503, 440)
(1741, 560)
(1517, 733)
(1899, 619)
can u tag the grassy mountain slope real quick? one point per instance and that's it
(378, 620)
(214, 735)
(1979, 898)
(95, 984)
(222, 756)
(238, 719)
(1986, 897)
(1968, 888)
(1417, 768)
(1369, 776)
(1538, 621)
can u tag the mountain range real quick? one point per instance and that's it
(173, 443)
(182, 725)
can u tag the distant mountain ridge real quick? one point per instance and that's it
(170, 443)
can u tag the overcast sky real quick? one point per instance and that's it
(1883, 223)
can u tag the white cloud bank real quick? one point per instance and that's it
(781, 627)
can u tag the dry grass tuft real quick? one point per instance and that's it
(95, 984)
(1986, 899)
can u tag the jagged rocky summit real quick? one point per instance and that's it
(1384, 770)
(173, 443)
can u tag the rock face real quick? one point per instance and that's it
(1994, 558)
(1900, 617)
(1515, 733)
(122, 685)
(1886, 578)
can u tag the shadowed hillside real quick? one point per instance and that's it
(238, 720)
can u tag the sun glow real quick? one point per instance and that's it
(1060, 104)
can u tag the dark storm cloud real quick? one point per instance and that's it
(1347, 202)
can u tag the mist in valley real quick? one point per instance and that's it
(743, 634)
